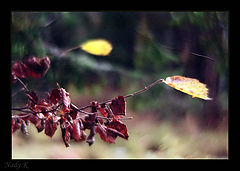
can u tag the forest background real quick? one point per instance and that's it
(146, 46)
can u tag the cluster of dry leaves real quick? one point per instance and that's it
(57, 109)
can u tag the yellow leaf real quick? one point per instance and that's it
(97, 47)
(189, 86)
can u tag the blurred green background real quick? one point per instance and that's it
(146, 46)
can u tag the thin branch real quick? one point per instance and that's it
(19, 108)
(125, 118)
(49, 110)
(85, 107)
(171, 48)
(110, 113)
(51, 22)
(14, 94)
(192, 53)
(144, 89)
(20, 116)
(81, 110)
(109, 119)
(23, 109)
(204, 56)
(24, 85)
(129, 95)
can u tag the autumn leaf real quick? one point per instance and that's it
(102, 110)
(73, 112)
(97, 107)
(118, 105)
(16, 124)
(39, 123)
(118, 126)
(78, 134)
(67, 129)
(105, 134)
(31, 67)
(55, 96)
(24, 127)
(189, 86)
(32, 96)
(37, 67)
(91, 139)
(50, 126)
(18, 70)
(66, 100)
(97, 47)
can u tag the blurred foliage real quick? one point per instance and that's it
(26, 35)
(146, 46)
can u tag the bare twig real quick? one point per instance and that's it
(171, 48)
(204, 56)
(21, 116)
(85, 107)
(109, 119)
(144, 89)
(125, 118)
(82, 111)
(30, 111)
(23, 110)
(129, 95)
(19, 108)
(24, 86)
(14, 94)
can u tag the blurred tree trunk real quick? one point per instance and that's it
(120, 29)
(201, 68)
(212, 115)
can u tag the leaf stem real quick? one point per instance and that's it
(69, 50)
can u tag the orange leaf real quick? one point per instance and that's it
(189, 86)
